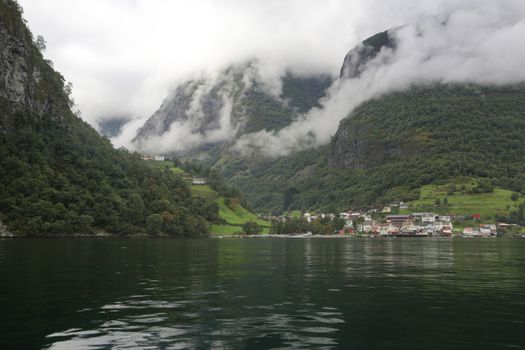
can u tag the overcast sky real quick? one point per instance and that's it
(123, 55)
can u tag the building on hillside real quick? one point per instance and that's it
(383, 230)
(159, 158)
(476, 216)
(145, 157)
(355, 215)
(367, 225)
(397, 220)
(198, 181)
(403, 205)
(386, 209)
(428, 218)
(447, 230)
(376, 228)
(488, 230)
(503, 226)
(445, 218)
(344, 216)
(470, 232)
(438, 225)
(408, 224)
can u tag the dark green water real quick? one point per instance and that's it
(262, 293)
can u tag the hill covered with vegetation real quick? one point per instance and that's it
(57, 175)
(387, 149)
(390, 147)
(225, 204)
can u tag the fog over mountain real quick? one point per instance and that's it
(478, 46)
(127, 62)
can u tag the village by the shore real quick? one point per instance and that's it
(385, 222)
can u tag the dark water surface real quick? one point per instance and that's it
(262, 293)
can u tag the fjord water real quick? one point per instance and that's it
(262, 294)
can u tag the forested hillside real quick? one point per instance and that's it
(57, 175)
(391, 146)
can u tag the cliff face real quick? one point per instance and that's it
(27, 84)
(355, 147)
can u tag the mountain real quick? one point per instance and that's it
(112, 127)
(356, 59)
(388, 148)
(216, 108)
(57, 174)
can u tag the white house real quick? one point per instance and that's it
(344, 216)
(445, 218)
(159, 158)
(428, 217)
(198, 181)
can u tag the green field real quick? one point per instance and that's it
(239, 215)
(498, 202)
(168, 164)
(225, 229)
(204, 191)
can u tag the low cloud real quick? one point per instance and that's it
(478, 45)
(124, 56)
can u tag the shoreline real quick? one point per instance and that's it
(216, 236)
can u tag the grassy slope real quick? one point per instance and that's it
(238, 215)
(497, 202)
(204, 191)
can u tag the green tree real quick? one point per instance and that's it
(251, 228)
(154, 224)
(136, 208)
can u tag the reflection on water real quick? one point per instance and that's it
(264, 293)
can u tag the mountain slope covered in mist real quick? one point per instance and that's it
(215, 109)
(57, 174)
(391, 145)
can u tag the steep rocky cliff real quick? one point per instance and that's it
(27, 84)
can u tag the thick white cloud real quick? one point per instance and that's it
(468, 44)
(122, 56)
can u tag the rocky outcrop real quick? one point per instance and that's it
(4, 232)
(25, 84)
(352, 147)
(357, 147)
(356, 60)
